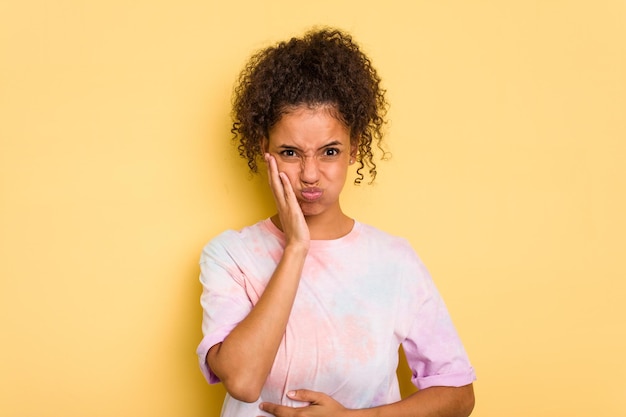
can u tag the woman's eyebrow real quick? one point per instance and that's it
(295, 148)
(288, 147)
(333, 143)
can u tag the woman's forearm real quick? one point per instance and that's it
(429, 402)
(244, 359)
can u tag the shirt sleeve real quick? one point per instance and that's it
(224, 301)
(432, 347)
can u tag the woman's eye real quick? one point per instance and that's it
(331, 152)
(288, 153)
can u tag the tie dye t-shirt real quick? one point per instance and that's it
(359, 298)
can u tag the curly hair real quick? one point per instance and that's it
(324, 67)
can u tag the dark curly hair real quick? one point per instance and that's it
(324, 67)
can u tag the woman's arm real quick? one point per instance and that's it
(245, 357)
(428, 402)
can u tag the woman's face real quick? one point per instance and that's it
(313, 148)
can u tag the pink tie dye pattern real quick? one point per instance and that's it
(359, 298)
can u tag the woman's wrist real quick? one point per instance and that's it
(296, 249)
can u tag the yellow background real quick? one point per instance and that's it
(508, 134)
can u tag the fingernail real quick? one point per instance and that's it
(291, 394)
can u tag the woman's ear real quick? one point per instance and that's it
(353, 151)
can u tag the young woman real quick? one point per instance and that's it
(304, 312)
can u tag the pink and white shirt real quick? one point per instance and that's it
(359, 298)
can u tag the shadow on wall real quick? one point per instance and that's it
(404, 376)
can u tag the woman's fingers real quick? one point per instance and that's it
(281, 187)
(275, 180)
(289, 211)
(290, 196)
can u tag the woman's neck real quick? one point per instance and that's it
(323, 228)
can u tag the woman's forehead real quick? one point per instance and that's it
(306, 127)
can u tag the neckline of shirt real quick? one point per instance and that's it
(318, 243)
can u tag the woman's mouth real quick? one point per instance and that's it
(311, 194)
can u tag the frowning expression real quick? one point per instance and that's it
(313, 148)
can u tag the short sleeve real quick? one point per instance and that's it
(224, 301)
(432, 347)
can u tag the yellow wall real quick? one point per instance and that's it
(508, 176)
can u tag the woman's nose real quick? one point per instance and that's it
(309, 172)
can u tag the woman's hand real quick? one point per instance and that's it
(244, 371)
(320, 405)
(427, 402)
(289, 212)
